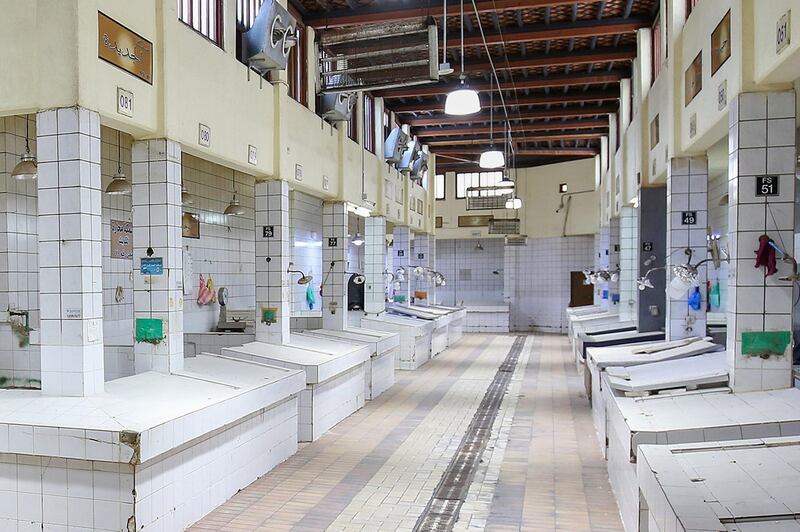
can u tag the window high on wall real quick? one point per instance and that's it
(205, 17)
(439, 187)
(369, 123)
(656, 59)
(246, 11)
(352, 127)
(297, 72)
(690, 5)
(477, 179)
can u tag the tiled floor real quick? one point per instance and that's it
(542, 469)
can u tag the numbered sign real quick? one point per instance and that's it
(647, 246)
(204, 136)
(333, 242)
(783, 32)
(267, 231)
(401, 253)
(124, 102)
(767, 185)
(689, 218)
(420, 256)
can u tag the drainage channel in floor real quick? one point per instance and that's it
(442, 510)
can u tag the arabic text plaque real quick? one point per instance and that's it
(123, 48)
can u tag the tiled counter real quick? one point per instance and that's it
(487, 319)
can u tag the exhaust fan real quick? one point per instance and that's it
(338, 107)
(419, 166)
(409, 156)
(378, 56)
(268, 43)
(395, 146)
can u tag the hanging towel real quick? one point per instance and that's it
(765, 256)
(714, 295)
(311, 299)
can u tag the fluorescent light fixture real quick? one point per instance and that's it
(492, 159)
(513, 203)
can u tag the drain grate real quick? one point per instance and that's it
(443, 508)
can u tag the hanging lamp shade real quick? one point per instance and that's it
(492, 159)
(119, 185)
(25, 169)
(462, 101)
(358, 240)
(234, 208)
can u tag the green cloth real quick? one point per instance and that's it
(311, 299)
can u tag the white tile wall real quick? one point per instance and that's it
(19, 268)
(758, 303)
(156, 203)
(401, 253)
(687, 190)
(602, 244)
(540, 276)
(305, 226)
(375, 257)
(70, 251)
(629, 264)
(334, 260)
(226, 248)
(718, 223)
(469, 271)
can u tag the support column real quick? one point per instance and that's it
(334, 265)
(402, 252)
(687, 201)
(157, 222)
(761, 145)
(374, 265)
(652, 214)
(422, 257)
(273, 283)
(602, 242)
(612, 287)
(70, 252)
(628, 247)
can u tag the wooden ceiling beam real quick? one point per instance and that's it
(484, 141)
(603, 55)
(368, 15)
(555, 112)
(518, 129)
(539, 82)
(539, 99)
(558, 152)
(562, 30)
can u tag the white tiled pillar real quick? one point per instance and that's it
(602, 242)
(375, 265)
(432, 299)
(612, 287)
(157, 217)
(334, 264)
(761, 143)
(402, 252)
(273, 288)
(628, 263)
(687, 199)
(422, 257)
(70, 251)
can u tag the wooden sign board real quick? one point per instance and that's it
(121, 240)
(124, 48)
(721, 43)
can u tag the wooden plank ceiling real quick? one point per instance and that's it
(559, 63)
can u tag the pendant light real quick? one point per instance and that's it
(234, 208)
(462, 101)
(491, 158)
(119, 185)
(25, 170)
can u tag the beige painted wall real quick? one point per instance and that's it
(538, 188)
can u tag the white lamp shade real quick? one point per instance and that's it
(358, 240)
(513, 203)
(462, 102)
(492, 159)
(678, 287)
